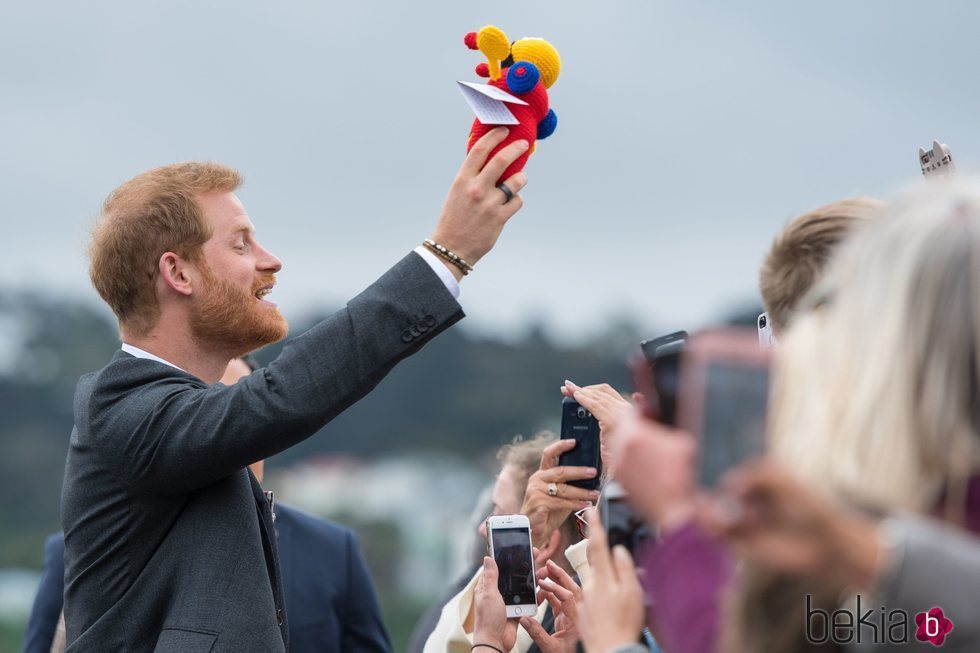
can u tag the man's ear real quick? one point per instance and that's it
(175, 273)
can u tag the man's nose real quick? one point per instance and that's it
(267, 261)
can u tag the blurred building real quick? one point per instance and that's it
(411, 512)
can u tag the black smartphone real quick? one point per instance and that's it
(580, 425)
(624, 525)
(722, 399)
(663, 356)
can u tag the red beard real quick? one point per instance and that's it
(225, 318)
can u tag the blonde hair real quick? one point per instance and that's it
(524, 456)
(152, 213)
(875, 390)
(800, 253)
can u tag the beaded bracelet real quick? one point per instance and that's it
(448, 255)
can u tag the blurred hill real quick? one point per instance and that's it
(462, 394)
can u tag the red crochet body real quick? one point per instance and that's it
(529, 117)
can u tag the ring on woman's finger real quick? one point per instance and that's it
(553, 489)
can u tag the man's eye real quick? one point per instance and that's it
(240, 246)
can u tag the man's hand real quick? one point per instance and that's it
(546, 512)
(607, 406)
(491, 625)
(611, 614)
(475, 213)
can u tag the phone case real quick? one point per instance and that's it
(580, 425)
(937, 162)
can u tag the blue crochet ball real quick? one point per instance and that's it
(547, 125)
(522, 77)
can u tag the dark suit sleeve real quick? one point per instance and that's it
(49, 600)
(177, 434)
(364, 630)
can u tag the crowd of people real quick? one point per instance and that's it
(854, 529)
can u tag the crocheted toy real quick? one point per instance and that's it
(526, 69)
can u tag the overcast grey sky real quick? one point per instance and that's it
(689, 133)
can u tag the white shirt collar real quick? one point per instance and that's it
(140, 353)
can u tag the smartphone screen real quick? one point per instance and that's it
(512, 553)
(723, 398)
(734, 419)
(580, 425)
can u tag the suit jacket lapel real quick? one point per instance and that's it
(284, 542)
(270, 549)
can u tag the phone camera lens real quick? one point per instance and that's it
(581, 413)
(762, 321)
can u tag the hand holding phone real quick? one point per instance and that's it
(612, 612)
(607, 405)
(490, 623)
(549, 497)
(578, 424)
(510, 547)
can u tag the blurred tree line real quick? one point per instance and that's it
(462, 393)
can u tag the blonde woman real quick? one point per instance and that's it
(876, 386)
(876, 391)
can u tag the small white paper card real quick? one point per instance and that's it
(488, 103)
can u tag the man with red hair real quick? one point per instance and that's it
(169, 543)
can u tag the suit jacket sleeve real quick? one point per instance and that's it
(175, 433)
(49, 599)
(364, 630)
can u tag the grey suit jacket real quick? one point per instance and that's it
(169, 543)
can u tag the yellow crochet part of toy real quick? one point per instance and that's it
(493, 43)
(542, 54)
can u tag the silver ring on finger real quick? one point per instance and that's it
(508, 193)
(553, 489)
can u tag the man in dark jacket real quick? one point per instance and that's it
(327, 589)
(169, 543)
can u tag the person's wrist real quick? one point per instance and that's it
(617, 641)
(487, 643)
(453, 269)
(465, 252)
(674, 515)
(448, 257)
(856, 547)
(484, 633)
